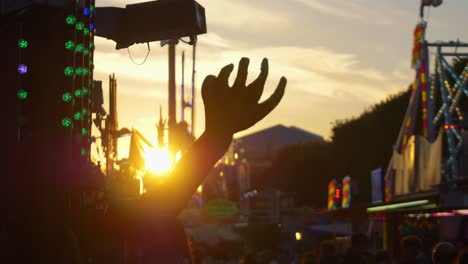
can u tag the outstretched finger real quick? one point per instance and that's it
(208, 87)
(256, 87)
(223, 76)
(241, 78)
(268, 105)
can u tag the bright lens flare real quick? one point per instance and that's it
(159, 161)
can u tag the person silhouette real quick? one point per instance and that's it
(50, 237)
(227, 110)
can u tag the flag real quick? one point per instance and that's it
(138, 146)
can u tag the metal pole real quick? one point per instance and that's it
(192, 103)
(447, 44)
(421, 10)
(182, 90)
(456, 54)
(172, 92)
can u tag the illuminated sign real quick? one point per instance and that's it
(331, 195)
(220, 208)
(346, 200)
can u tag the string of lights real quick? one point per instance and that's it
(445, 93)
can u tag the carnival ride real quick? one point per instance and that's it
(436, 96)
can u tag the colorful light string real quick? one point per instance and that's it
(22, 94)
(445, 92)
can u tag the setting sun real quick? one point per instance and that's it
(159, 161)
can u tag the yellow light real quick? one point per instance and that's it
(221, 174)
(236, 156)
(200, 189)
(158, 161)
(298, 236)
(462, 211)
(396, 206)
(178, 156)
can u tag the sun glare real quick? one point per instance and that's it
(159, 161)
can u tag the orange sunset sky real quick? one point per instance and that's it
(339, 57)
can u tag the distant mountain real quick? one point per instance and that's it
(273, 138)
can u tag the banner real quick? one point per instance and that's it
(138, 146)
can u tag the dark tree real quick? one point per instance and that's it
(365, 143)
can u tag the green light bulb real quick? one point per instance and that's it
(79, 48)
(83, 152)
(66, 122)
(78, 93)
(22, 94)
(70, 20)
(85, 31)
(68, 71)
(67, 97)
(79, 25)
(69, 45)
(91, 8)
(84, 131)
(85, 91)
(85, 51)
(78, 116)
(85, 111)
(91, 44)
(79, 71)
(22, 43)
(85, 71)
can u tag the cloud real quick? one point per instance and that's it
(325, 81)
(236, 14)
(362, 11)
(317, 70)
(214, 40)
(324, 8)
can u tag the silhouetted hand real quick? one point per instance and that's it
(232, 109)
(227, 110)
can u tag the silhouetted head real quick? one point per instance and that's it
(411, 245)
(444, 253)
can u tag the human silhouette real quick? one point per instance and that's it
(53, 230)
(227, 110)
(444, 253)
(412, 250)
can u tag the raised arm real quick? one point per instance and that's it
(227, 110)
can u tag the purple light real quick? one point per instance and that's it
(91, 26)
(86, 11)
(22, 69)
